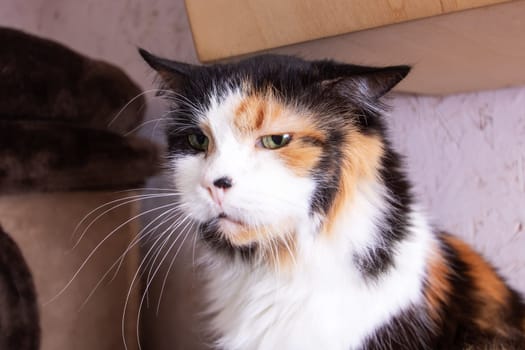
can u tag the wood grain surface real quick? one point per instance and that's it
(224, 28)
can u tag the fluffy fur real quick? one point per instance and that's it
(318, 243)
(19, 319)
(44, 80)
(47, 156)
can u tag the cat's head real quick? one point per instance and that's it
(268, 148)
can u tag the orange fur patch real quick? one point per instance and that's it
(300, 157)
(207, 131)
(438, 286)
(492, 293)
(263, 115)
(362, 160)
(250, 114)
(282, 255)
(278, 251)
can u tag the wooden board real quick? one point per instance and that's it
(465, 51)
(225, 28)
(482, 48)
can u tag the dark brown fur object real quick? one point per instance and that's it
(45, 156)
(43, 80)
(19, 320)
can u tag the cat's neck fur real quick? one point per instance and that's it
(328, 282)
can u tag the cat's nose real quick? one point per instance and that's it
(224, 182)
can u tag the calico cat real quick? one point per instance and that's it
(312, 237)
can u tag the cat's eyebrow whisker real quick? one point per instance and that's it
(179, 98)
(138, 127)
(128, 104)
(97, 247)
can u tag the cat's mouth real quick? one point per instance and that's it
(223, 217)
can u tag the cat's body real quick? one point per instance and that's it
(312, 237)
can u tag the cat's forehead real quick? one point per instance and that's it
(284, 74)
(248, 114)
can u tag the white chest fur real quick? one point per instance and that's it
(323, 304)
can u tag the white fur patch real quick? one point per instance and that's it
(324, 302)
(264, 192)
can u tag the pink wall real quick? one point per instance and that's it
(465, 153)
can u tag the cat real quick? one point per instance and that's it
(312, 237)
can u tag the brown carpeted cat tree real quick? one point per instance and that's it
(63, 152)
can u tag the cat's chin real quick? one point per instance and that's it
(229, 226)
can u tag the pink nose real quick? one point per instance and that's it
(219, 188)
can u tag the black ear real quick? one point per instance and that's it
(365, 82)
(380, 81)
(173, 73)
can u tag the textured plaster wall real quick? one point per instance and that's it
(465, 153)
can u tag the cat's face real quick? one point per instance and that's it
(251, 175)
(263, 148)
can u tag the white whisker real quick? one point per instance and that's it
(96, 249)
(124, 201)
(170, 266)
(120, 260)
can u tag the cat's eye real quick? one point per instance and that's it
(198, 141)
(275, 141)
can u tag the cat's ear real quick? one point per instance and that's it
(173, 73)
(367, 82)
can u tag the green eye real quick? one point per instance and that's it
(275, 141)
(198, 141)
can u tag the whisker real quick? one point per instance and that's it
(165, 235)
(138, 127)
(148, 189)
(285, 241)
(169, 268)
(124, 201)
(142, 234)
(120, 260)
(133, 280)
(147, 287)
(96, 249)
(180, 223)
(127, 105)
(136, 275)
(156, 271)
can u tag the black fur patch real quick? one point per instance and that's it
(211, 235)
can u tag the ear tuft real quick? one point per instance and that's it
(367, 82)
(382, 80)
(172, 73)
